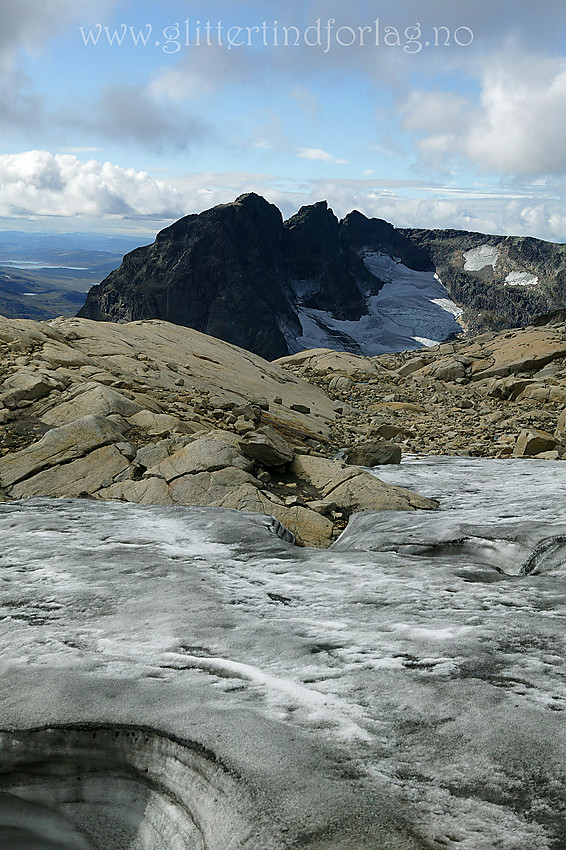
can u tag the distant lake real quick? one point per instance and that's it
(37, 266)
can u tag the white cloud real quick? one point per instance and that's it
(523, 125)
(517, 125)
(38, 183)
(318, 155)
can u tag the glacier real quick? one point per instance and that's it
(185, 677)
(412, 310)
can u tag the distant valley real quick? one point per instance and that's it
(48, 275)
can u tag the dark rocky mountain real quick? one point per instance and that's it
(322, 267)
(499, 281)
(240, 273)
(220, 272)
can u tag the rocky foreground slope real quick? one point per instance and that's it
(153, 413)
(494, 395)
(158, 414)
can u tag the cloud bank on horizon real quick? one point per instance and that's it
(122, 116)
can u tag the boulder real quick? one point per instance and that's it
(353, 489)
(321, 506)
(531, 442)
(162, 423)
(449, 370)
(243, 426)
(309, 528)
(59, 445)
(373, 453)
(229, 487)
(267, 446)
(401, 406)
(389, 432)
(209, 488)
(259, 401)
(412, 365)
(216, 450)
(87, 351)
(560, 432)
(24, 385)
(220, 403)
(250, 412)
(365, 492)
(93, 399)
(509, 388)
(340, 382)
(153, 453)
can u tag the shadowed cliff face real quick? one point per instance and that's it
(359, 232)
(315, 253)
(220, 273)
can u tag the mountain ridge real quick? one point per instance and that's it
(241, 273)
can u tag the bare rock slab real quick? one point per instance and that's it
(59, 445)
(354, 489)
(84, 475)
(93, 399)
(216, 450)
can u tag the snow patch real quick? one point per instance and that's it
(283, 694)
(479, 258)
(304, 288)
(521, 279)
(448, 305)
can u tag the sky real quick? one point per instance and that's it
(120, 116)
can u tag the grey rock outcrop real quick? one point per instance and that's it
(58, 446)
(89, 399)
(354, 489)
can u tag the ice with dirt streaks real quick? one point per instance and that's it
(404, 689)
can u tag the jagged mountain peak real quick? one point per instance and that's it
(239, 272)
(252, 202)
